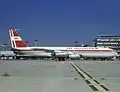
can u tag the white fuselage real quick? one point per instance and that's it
(20, 47)
(72, 51)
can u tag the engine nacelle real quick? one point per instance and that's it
(61, 54)
(74, 56)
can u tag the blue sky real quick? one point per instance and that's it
(59, 22)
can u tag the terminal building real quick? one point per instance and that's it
(112, 42)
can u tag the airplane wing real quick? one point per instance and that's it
(45, 50)
(56, 52)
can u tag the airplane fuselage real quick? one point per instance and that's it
(21, 48)
(84, 51)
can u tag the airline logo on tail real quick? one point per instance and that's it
(16, 40)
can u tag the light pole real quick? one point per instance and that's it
(26, 43)
(35, 42)
(76, 43)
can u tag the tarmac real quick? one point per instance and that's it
(59, 76)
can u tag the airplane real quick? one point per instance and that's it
(21, 48)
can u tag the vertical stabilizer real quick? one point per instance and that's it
(16, 40)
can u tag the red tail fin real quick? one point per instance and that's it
(16, 40)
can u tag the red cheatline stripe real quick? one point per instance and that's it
(78, 50)
(89, 50)
(24, 50)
